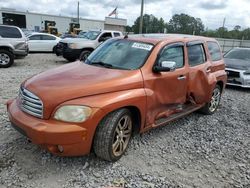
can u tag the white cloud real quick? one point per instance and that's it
(212, 13)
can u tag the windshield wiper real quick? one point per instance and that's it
(102, 64)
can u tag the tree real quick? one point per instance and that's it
(151, 24)
(183, 23)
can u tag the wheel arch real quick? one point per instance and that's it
(8, 48)
(89, 49)
(221, 84)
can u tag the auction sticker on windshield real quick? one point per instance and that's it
(142, 46)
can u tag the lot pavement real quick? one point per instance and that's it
(195, 151)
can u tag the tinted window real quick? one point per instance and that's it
(214, 51)
(35, 37)
(48, 37)
(10, 32)
(173, 54)
(196, 55)
(106, 36)
(117, 34)
(121, 54)
(243, 54)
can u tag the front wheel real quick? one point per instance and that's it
(213, 105)
(113, 135)
(84, 55)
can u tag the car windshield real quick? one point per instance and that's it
(120, 54)
(91, 35)
(243, 54)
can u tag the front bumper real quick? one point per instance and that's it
(49, 134)
(71, 54)
(237, 78)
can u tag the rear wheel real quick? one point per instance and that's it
(6, 58)
(84, 55)
(113, 135)
(213, 105)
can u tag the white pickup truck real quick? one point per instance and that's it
(80, 48)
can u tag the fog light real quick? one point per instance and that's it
(60, 148)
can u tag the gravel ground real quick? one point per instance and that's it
(195, 151)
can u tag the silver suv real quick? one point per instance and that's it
(13, 43)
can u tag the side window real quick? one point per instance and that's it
(117, 35)
(35, 37)
(106, 36)
(196, 55)
(10, 32)
(214, 51)
(47, 37)
(175, 54)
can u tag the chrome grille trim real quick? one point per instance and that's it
(30, 103)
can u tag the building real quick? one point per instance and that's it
(36, 21)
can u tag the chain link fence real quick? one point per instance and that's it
(228, 44)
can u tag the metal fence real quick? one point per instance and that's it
(227, 44)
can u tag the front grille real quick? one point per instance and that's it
(233, 74)
(30, 103)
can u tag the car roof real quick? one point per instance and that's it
(105, 30)
(156, 38)
(37, 33)
(9, 26)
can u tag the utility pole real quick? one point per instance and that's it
(223, 27)
(78, 18)
(141, 18)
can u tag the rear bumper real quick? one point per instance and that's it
(21, 52)
(75, 139)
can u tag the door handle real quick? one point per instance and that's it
(182, 77)
(208, 70)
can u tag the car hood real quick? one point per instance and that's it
(237, 64)
(74, 40)
(78, 79)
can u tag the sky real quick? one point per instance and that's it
(212, 12)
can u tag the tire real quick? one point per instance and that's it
(113, 135)
(84, 54)
(54, 50)
(213, 105)
(6, 58)
(70, 59)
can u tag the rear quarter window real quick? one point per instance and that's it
(214, 51)
(10, 32)
(117, 35)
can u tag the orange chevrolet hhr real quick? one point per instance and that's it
(126, 85)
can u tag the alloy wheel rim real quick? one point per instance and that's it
(214, 103)
(4, 59)
(85, 56)
(122, 135)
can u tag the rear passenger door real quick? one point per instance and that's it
(200, 84)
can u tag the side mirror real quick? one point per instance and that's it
(165, 66)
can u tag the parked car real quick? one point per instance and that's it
(13, 43)
(126, 85)
(42, 42)
(237, 63)
(80, 48)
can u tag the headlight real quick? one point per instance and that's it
(73, 45)
(73, 113)
(246, 72)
